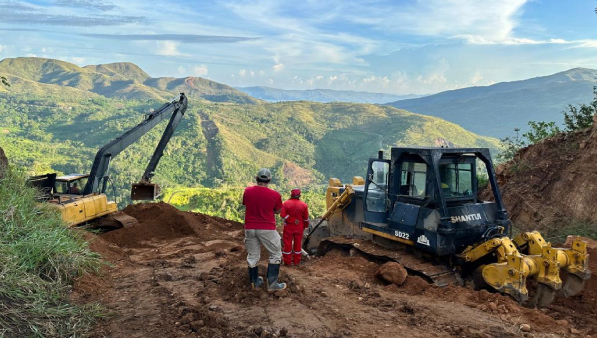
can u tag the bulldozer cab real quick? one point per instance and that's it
(428, 198)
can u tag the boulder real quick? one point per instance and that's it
(392, 272)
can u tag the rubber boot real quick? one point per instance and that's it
(272, 278)
(254, 278)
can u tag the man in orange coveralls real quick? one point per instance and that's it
(296, 219)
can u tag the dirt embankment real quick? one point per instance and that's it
(178, 274)
(553, 184)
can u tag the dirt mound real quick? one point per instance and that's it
(551, 186)
(161, 221)
(184, 274)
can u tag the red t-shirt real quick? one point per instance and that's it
(260, 203)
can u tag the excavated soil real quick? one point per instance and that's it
(182, 274)
(552, 185)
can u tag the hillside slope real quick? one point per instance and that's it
(321, 95)
(116, 80)
(497, 109)
(216, 144)
(552, 186)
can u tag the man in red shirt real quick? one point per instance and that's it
(261, 205)
(296, 219)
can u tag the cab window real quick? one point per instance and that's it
(456, 179)
(413, 179)
(377, 188)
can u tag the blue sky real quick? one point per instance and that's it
(398, 47)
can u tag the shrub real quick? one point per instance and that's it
(39, 259)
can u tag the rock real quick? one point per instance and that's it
(3, 164)
(492, 306)
(324, 294)
(392, 272)
(525, 328)
(562, 322)
(574, 331)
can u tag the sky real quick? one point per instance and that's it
(397, 47)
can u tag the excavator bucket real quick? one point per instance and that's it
(144, 191)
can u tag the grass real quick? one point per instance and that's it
(39, 260)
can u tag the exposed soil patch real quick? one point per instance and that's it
(552, 185)
(180, 274)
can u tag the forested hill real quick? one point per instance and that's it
(321, 95)
(116, 80)
(216, 144)
(497, 109)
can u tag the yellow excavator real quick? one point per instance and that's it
(421, 208)
(81, 198)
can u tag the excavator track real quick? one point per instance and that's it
(438, 274)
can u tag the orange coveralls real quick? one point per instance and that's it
(296, 219)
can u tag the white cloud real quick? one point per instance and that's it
(78, 60)
(477, 77)
(168, 48)
(2, 48)
(278, 67)
(242, 72)
(261, 73)
(200, 70)
(252, 73)
(182, 70)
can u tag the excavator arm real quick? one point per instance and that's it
(98, 176)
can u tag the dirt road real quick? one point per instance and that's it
(180, 274)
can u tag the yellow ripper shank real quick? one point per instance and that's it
(539, 261)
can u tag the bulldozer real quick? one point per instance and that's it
(421, 208)
(82, 198)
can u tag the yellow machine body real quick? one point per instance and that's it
(82, 209)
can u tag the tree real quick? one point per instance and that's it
(4, 81)
(541, 130)
(581, 117)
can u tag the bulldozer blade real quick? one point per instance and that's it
(144, 191)
(572, 286)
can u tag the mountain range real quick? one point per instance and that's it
(56, 115)
(498, 109)
(123, 80)
(321, 95)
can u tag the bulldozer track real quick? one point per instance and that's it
(438, 274)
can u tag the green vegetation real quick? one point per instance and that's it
(227, 202)
(123, 80)
(581, 117)
(56, 116)
(39, 259)
(575, 118)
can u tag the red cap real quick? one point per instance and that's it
(295, 193)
